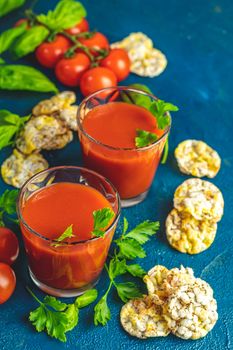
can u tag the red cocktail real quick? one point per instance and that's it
(108, 125)
(50, 202)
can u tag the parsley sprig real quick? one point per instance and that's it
(10, 126)
(144, 138)
(128, 247)
(8, 205)
(102, 219)
(57, 318)
(68, 233)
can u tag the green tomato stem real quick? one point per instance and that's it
(165, 152)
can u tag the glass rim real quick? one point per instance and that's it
(128, 149)
(31, 230)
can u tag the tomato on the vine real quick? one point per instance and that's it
(118, 61)
(49, 53)
(80, 27)
(97, 78)
(9, 246)
(69, 70)
(7, 282)
(97, 41)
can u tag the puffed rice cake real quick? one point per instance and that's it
(54, 104)
(18, 168)
(188, 235)
(39, 133)
(191, 310)
(143, 319)
(197, 158)
(69, 117)
(145, 60)
(200, 198)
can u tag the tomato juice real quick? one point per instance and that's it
(107, 134)
(76, 264)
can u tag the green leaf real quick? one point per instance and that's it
(165, 152)
(159, 108)
(102, 219)
(8, 37)
(10, 125)
(38, 318)
(142, 232)
(8, 201)
(19, 77)
(130, 249)
(102, 312)
(144, 138)
(137, 98)
(29, 41)
(7, 6)
(72, 313)
(87, 298)
(135, 270)
(56, 324)
(54, 303)
(66, 15)
(2, 60)
(116, 267)
(127, 291)
(125, 225)
(68, 233)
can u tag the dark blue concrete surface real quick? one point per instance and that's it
(197, 38)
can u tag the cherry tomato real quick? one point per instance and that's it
(49, 53)
(20, 21)
(69, 70)
(7, 282)
(97, 78)
(97, 42)
(82, 26)
(9, 246)
(118, 61)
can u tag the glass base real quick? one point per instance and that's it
(129, 202)
(64, 293)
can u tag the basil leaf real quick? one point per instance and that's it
(19, 77)
(9, 36)
(29, 41)
(66, 14)
(136, 98)
(7, 6)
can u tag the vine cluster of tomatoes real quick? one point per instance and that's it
(83, 58)
(9, 250)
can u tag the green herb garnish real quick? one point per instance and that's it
(57, 318)
(144, 138)
(8, 204)
(102, 219)
(10, 126)
(129, 246)
(68, 233)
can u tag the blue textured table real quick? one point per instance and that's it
(197, 38)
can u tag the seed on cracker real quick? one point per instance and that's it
(200, 198)
(145, 60)
(188, 235)
(18, 168)
(191, 310)
(197, 158)
(143, 319)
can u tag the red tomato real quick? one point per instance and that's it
(82, 26)
(7, 282)
(9, 246)
(97, 78)
(20, 21)
(69, 70)
(49, 53)
(97, 42)
(118, 61)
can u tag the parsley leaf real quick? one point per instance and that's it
(72, 313)
(102, 219)
(159, 108)
(8, 203)
(135, 270)
(54, 303)
(87, 298)
(127, 291)
(144, 138)
(130, 249)
(142, 232)
(10, 126)
(116, 267)
(68, 233)
(102, 312)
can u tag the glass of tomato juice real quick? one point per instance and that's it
(50, 202)
(108, 121)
